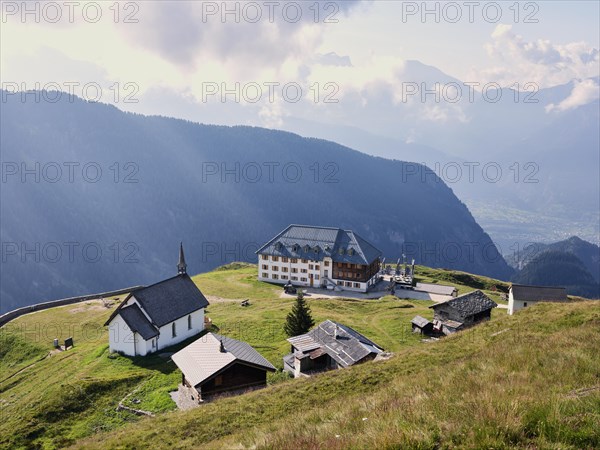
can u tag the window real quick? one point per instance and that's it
(275, 258)
(284, 277)
(326, 263)
(275, 268)
(265, 257)
(524, 304)
(275, 276)
(305, 261)
(294, 270)
(348, 284)
(340, 283)
(294, 278)
(356, 285)
(317, 267)
(294, 261)
(265, 267)
(316, 276)
(303, 279)
(265, 275)
(218, 380)
(326, 273)
(153, 343)
(173, 330)
(303, 270)
(284, 259)
(190, 322)
(284, 269)
(311, 267)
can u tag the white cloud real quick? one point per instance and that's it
(540, 61)
(583, 92)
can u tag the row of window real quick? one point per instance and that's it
(285, 269)
(348, 275)
(349, 265)
(290, 260)
(285, 277)
(174, 327)
(348, 284)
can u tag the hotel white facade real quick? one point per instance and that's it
(324, 257)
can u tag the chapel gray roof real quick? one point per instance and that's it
(203, 358)
(343, 344)
(170, 299)
(539, 293)
(315, 243)
(469, 304)
(138, 322)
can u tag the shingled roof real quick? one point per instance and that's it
(138, 322)
(539, 293)
(469, 304)
(420, 321)
(316, 243)
(203, 358)
(343, 344)
(167, 300)
(171, 299)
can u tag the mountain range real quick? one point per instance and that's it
(94, 199)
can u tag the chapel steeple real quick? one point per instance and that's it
(181, 265)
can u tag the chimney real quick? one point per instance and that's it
(222, 347)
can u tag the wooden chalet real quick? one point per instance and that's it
(215, 365)
(461, 312)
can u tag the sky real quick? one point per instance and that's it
(264, 61)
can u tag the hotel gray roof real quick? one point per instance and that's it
(343, 344)
(469, 304)
(316, 243)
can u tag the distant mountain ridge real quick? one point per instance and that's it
(559, 268)
(586, 252)
(131, 187)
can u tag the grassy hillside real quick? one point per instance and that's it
(517, 380)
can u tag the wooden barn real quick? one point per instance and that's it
(422, 325)
(215, 365)
(462, 312)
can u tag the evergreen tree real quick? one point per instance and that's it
(299, 320)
